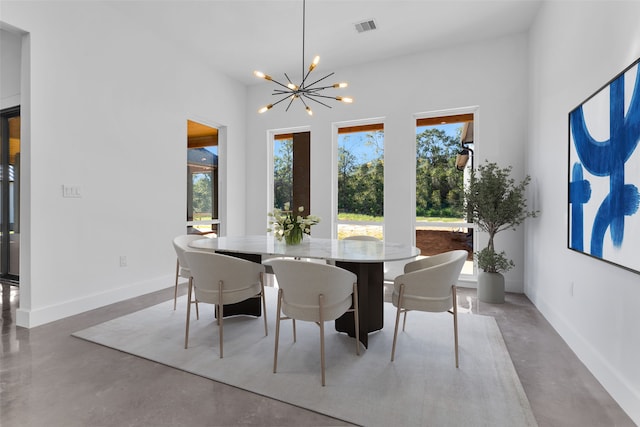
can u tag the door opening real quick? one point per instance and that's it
(10, 195)
(202, 179)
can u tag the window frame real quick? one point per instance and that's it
(271, 135)
(336, 126)
(473, 110)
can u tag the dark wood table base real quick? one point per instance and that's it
(370, 300)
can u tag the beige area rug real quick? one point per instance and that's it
(421, 388)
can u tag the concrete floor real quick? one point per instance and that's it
(48, 378)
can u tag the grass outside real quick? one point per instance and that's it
(371, 218)
(202, 216)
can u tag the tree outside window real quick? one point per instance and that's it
(282, 172)
(361, 182)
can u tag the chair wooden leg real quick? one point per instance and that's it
(220, 317)
(356, 317)
(275, 352)
(404, 320)
(294, 330)
(321, 303)
(395, 332)
(186, 333)
(175, 290)
(455, 320)
(264, 304)
(195, 301)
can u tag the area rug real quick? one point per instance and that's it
(422, 387)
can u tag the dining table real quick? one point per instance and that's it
(363, 257)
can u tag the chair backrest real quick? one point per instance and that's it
(181, 244)
(362, 237)
(430, 261)
(302, 283)
(240, 277)
(428, 281)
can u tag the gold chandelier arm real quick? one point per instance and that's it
(334, 86)
(309, 96)
(280, 100)
(309, 86)
(344, 99)
(271, 79)
(313, 65)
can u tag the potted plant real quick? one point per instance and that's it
(494, 202)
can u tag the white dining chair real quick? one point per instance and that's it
(223, 279)
(316, 293)
(180, 245)
(429, 284)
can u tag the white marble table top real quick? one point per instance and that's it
(360, 251)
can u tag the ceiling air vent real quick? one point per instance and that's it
(368, 25)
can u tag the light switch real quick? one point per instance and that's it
(71, 191)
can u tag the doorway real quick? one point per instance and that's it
(202, 179)
(10, 195)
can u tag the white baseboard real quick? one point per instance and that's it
(39, 316)
(611, 379)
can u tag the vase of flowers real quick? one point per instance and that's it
(290, 226)
(294, 237)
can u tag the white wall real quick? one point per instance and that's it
(491, 75)
(109, 104)
(576, 48)
(10, 45)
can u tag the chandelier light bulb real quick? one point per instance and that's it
(265, 108)
(309, 112)
(261, 75)
(345, 99)
(340, 85)
(292, 86)
(315, 62)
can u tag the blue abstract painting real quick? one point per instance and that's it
(604, 172)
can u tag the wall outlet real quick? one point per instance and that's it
(123, 261)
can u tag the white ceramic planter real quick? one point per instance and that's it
(491, 287)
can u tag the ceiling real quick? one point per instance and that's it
(240, 36)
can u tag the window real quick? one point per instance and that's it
(291, 170)
(202, 179)
(360, 181)
(441, 143)
(282, 170)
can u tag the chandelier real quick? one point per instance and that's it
(303, 91)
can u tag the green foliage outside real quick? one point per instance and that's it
(361, 184)
(202, 193)
(345, 216)
(439, 185)
(283, 173)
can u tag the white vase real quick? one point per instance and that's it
(491, 287)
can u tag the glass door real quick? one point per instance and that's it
(10, 195)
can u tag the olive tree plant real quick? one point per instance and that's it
(495, 202)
